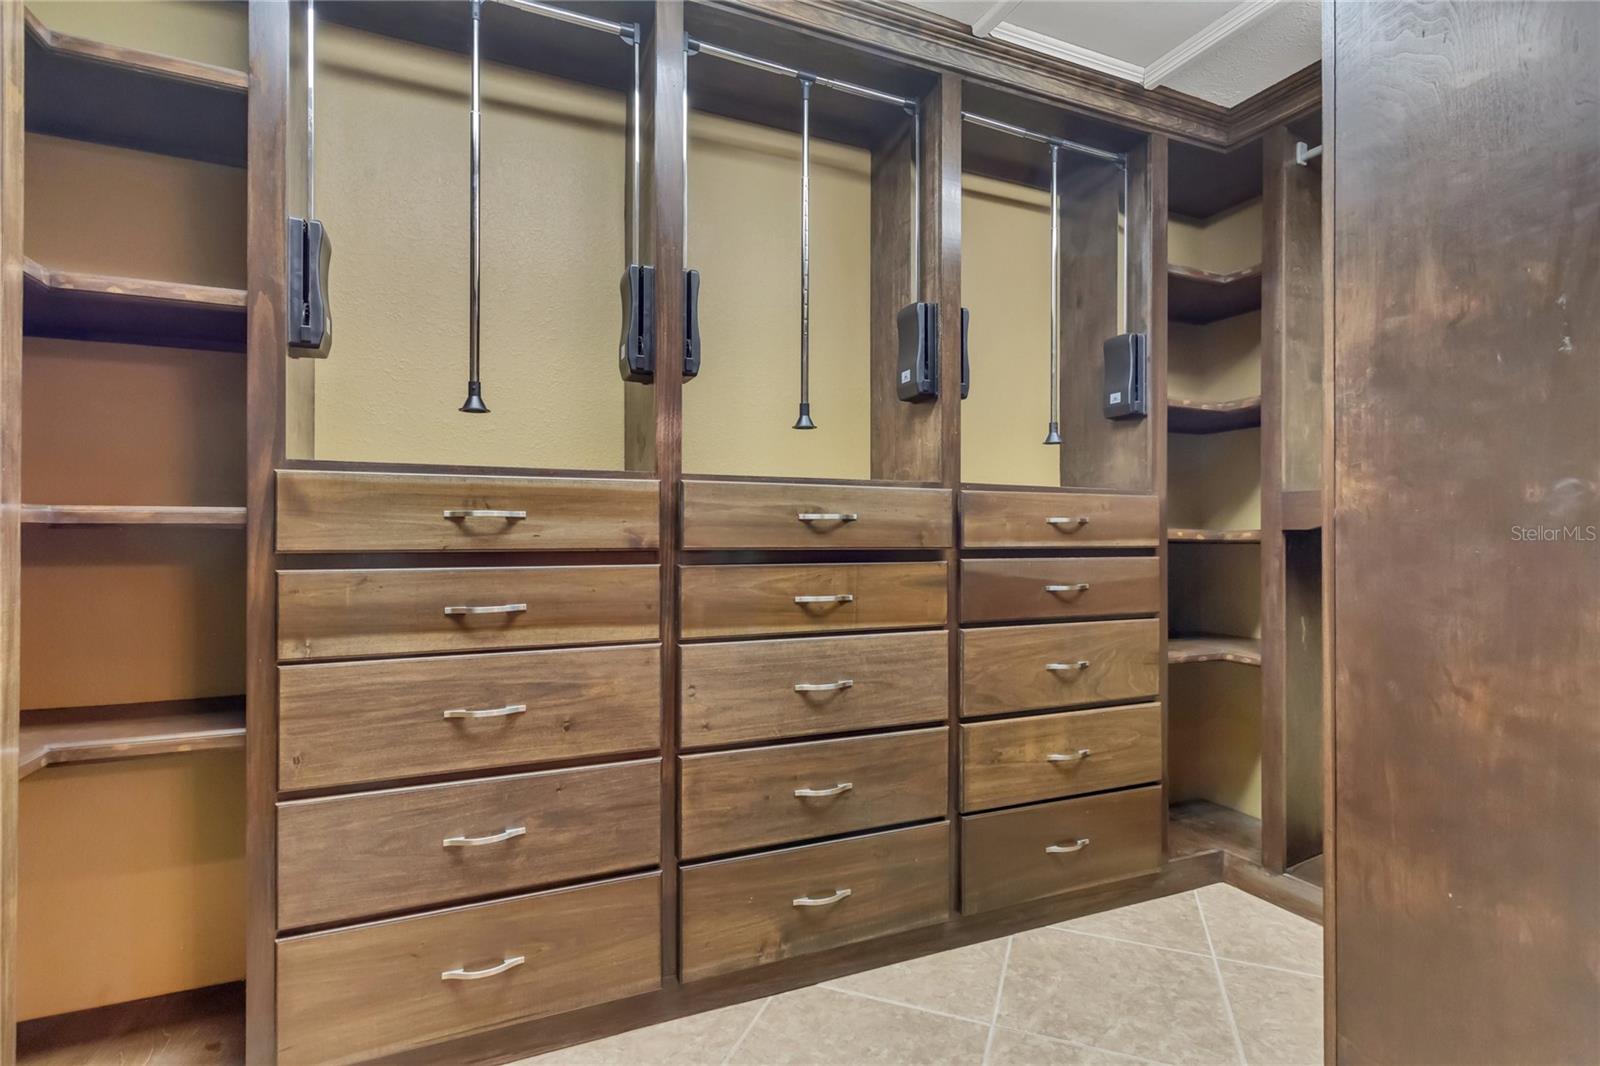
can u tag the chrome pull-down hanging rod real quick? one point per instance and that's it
(474, 404)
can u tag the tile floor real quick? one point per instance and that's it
(1214, 976)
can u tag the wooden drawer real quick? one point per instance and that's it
(1002, 518)
(332, 614)
(735, 693)
(739, 913)
(356, 994)
(747, 601)
(762, 514)
(347, 511)
(1007, 668)
(347, 857)
(735, 800)
(352, 723)
(1015, 590)
(1004, 858)
(1022, 760)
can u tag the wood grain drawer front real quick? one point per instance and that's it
(746, 912)
(998, 518)
(353, 723)
(348, 857)
(356, 994)
(757, 514)
(344, 511)
(1026, 668)
(1015, 590)
(333, 614)
(1023, 760)
(1013, 856)
(735, 693)
(735, 800)
(747, 601)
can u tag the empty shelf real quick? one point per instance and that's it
(99, 307)
(105, 93)
(128, 730)
(1208, 648)
(1195, 826)
(1201, 296)
(1206, 416)
(1215, 536)
(83, 514)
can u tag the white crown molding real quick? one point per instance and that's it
(1054, 46)
(985, 23)
(1187, 51)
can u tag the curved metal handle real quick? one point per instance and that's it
(828, 516)
(1068, 756)
(824, 686)
(1076, 523)
(480, 512)
(1081, 586)
(1066, 849)
(1081, 664)
(838, 597)
(489, 712)
(499, 608)
(807, 901)
(807, 793)
(498, 968)
(492, 838)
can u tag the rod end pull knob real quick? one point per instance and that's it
(1053, 435)
(475, 404)
(804, 421)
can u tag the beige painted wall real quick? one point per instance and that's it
(207, 31)
(1214, 735)
(1221, 244)
(1214, 480)
(1217, 361)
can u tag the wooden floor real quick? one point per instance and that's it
(204, 1027)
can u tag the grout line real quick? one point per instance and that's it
(1135, 943)
(753, 1019)
(999, 991)
(1222, 986)
(901, 1003)
(1080, 1044)
(1269, 966)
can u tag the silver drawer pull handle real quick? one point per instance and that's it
(1068, 756)
(807, 901)
(1081, 664)
(477, 975)
(807, 793)
(492, 838)
(1075, 523)
(1079, 587)
(838, 597)
(1066, 849)
(824, 686)
(828, 516)
(481, 512)
(489, 712)
(498, 608)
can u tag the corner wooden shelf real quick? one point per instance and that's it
(1207, 416)
(128, 730)
(1201, 296)
(105, 93)
(1214, 536)
(1210, 648)
(101, 307)
(85, 514)
(1196, 826)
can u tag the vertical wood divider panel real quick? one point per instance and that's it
(1330, 880)
(11, 163)
(1277, 153)
(264, 405)
(665, 130)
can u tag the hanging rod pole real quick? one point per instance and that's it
(474, 404)
(698, 46)
(311, 109)
(1044, 138)
(916, 203)
(637, 137)
(575, 18)
(1053, 434)
(804, 420)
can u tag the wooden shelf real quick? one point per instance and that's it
(1196, 826)
(1215, 536)
(129, 730)
(1209, 648)
(1200, 296)
(84, 514)
(92, 91)
(1204, 416)
(100, 307)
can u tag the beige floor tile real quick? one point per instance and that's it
(962, 982)
(697, 1040)
(825, 1027)
(1279, 1014)
(1011, 1048)
(1246, 929)
(1130, 998)
(1169, 922)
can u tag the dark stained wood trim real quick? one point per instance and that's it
(83, 514)
(11, 138)
(1290, 98)
(1208, 648)
(1147, 287)
(151, 63)
(1213, 416)
(1330, 913)
(1214, 536)
(1280, 890)
(1276, 149)
(1301, 509)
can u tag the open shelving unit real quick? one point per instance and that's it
(98, 307)
(99, 734)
